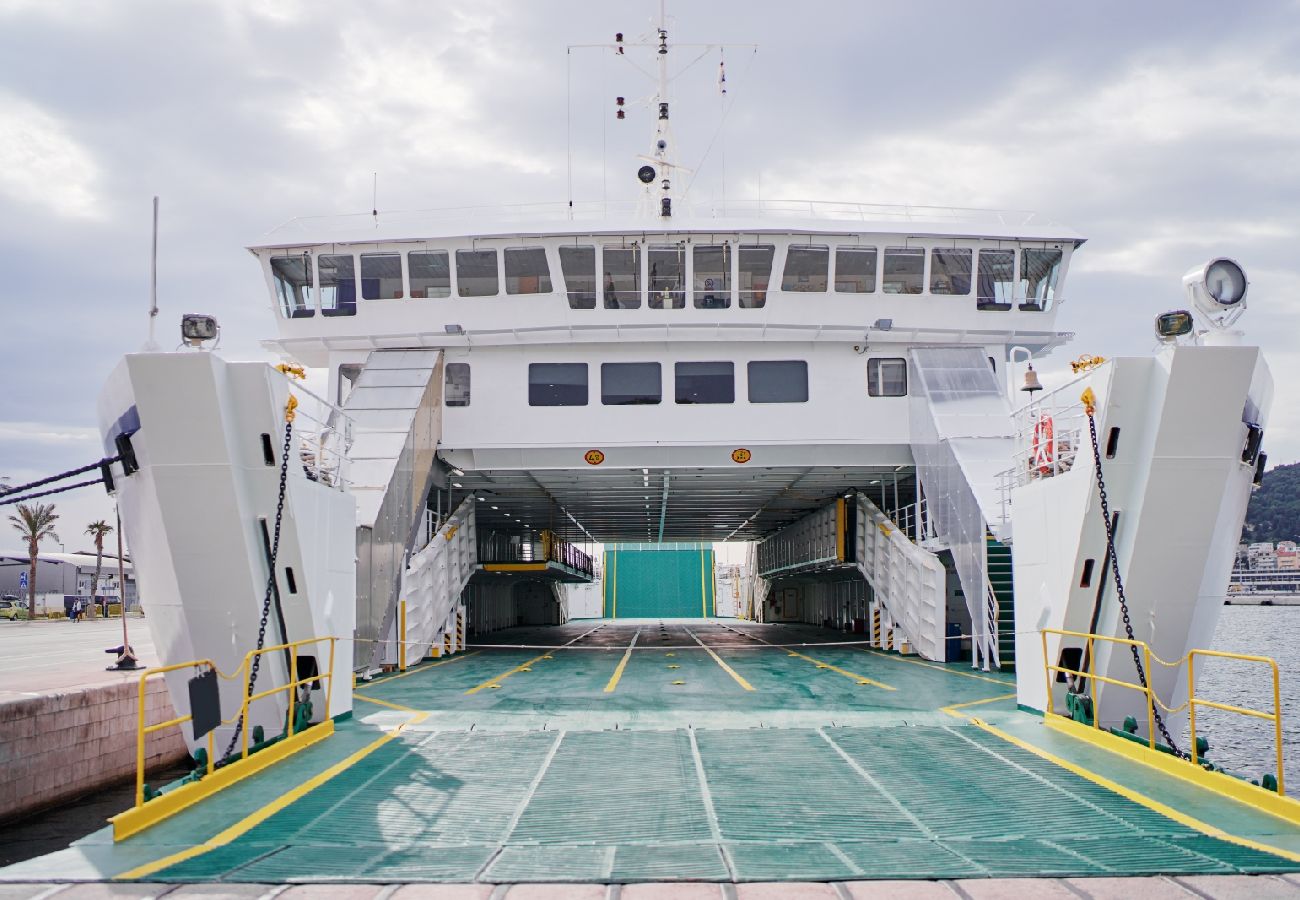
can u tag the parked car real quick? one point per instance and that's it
(12, 608)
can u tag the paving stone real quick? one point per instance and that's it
(439, 892)
(781, 891)
(219, 891)
(671, 892)
(110, 891)
(1239, 887)
(1017, 889)
(887, 890)
(555, 892)
(332, 892)
(1128, 888)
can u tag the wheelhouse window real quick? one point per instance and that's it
(705, 382)
(578, 265)
(904, 270)
(778, 381)
(527, 271)
(381, 276)
(456, 384)
(806, 269)
(950, 271)
(292, 276)
(855, 270)
(430, 273)
(712, 276)
(997, 279)
(755, 265)
(622, 277)
(476, 273)
(666, 277)
(337, 278)
(1038, 273)
(557, 384)
(631, 384)
(887, 377)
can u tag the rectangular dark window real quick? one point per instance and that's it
(578, 264)
(705, 382)
(997, 279)
(1112, 442)
(381, 276)
(337, 277)
(527, 271)
(755, 264)
(631, 384)
(904, 270)
(667, 277)
(622, 277)
(476, 273)
(806, 269)
(713, 277)
(430, 274)
(1085, 580)
(293, 285)
(950, 271)
(855, 270)
(778, 381)
(456, 389)
(887, 377)
(557, 384)
(1038, 272)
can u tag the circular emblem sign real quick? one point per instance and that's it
(594, 457)
(741, 455)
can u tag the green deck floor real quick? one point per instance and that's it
(809, 775)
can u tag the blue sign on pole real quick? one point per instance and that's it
(22, 581)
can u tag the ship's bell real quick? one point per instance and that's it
(1031, 381)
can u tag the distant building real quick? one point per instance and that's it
(1261, 556)
(60, 576)
(1286, 555)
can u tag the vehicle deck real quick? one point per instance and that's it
(625, 751)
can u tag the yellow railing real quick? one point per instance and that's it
(1152, 700)
(144, 729)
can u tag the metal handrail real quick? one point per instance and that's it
(143, 730)
(1192, 700)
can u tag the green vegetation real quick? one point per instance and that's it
(1274, 511)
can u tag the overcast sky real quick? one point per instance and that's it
(1166, 132)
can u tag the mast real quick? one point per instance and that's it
(663, 131)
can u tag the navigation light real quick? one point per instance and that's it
(1218, 289)
(1174, 324)
(197, 328)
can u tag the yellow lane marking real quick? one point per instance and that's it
(1129, 794)
(396, 706)
(622, 664)
(918, 662)
(249, 822)
(952, 710)
(860, 679)
(718, 659)
(416, 671)
(495, 683)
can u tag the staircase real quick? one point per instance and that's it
(999, 573)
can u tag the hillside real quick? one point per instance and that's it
(1274, 511)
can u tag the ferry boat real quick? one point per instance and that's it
(959, 591)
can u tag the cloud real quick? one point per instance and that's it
(42, 166)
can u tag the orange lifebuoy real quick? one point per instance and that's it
(1044, 448)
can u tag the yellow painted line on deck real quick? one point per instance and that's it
(415, 671)
(251, 821)
(396, 706)
(523, 667)
(1136, 797)
(952, 710)
(929, 665)
(860, 679)
(719, 660)
(622, 664)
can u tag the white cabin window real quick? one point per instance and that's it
(855, 270)
(778, 381)
(631, 384)
(712, 276)
(337, 278)
(904, 270)
(578, 265)
(456, 384)
(755, 264)
(430, 273)
(293, 285)
(1038, 273)
(886, 377)
(806, 269)
(705, 382)
(381, 276)
(997, 279)
(622, 277)
(557, 384)
(527, 271)
(476, 273)
(666, 277)
(950, 271)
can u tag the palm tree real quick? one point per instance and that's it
(98, 530)
(35, 522)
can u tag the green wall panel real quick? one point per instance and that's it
(654, 584)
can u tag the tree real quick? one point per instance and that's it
(35, 522)
(97, 530)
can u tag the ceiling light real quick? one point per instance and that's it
(496, 507)
(456, 484)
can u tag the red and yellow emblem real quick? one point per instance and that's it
(741, 455)
(594, 457)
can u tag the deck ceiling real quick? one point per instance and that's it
(701, 504)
